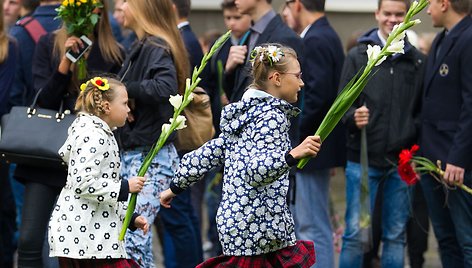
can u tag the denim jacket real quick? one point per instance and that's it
(253, 217)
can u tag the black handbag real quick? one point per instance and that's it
(32, 136)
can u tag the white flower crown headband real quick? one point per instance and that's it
(270, 54)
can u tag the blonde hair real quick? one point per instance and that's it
(90, 100)
(3, 39)
(262, 66)
(109, 47)
(157, 18)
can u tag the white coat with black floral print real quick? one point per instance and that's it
(253, 217)
(87, 218)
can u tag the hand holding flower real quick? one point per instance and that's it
(410, 167)
(308, 148)
(453, 175)
(361, 117)
(136, 184)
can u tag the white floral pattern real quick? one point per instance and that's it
(87, 218)
(253, 217)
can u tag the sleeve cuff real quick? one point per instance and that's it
(124, 190)
(175, 189)
(131, 226)
(290, 160)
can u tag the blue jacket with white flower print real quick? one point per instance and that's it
(253, 217)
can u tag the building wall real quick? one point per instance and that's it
(206, 15)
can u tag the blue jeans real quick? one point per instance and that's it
(451, 216)
(160, 172)
(395, 213)
(312, 214)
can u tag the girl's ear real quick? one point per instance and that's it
(275, 78)
(106, 107)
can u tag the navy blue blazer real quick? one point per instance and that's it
(275, 32)
(322, 65)
(446, 126)
(192, 45)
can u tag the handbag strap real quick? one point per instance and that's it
(32, 109)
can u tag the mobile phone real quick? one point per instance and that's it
(73, 56)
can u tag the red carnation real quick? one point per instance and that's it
(406, 155)
(408, 174)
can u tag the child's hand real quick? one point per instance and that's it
(136, 184)
(166, 197)
(141, 223)
(309, 147)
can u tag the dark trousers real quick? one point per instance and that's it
(7, 218)
(39, 200)
(417, 229)
(184, 248)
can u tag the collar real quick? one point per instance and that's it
(183, 24)
(302, 35)
(255, 93)
(260, 25)
(97, 121)
(382, 39)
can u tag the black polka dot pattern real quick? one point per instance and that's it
(86, 220)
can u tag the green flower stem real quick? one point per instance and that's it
(189, 87)
(355, 86)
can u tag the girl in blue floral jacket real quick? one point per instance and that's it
(255, 226)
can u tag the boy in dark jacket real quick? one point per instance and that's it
(387, 110)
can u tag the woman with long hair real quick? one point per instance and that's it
(156, 68)
(56, 76)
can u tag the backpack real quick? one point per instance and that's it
(33, 27)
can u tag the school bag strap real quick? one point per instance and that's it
(33, 27)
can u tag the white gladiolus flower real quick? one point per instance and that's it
(190, 97)
(165, 128)
(180, 120)
(373, 52)
(417, 21)
(399, 37)
(176, 101)
(397, 47)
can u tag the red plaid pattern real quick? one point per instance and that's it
(301, 255)
(97, 263)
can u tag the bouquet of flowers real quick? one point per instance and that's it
(376, 56)
(80, 18)
(411, 166)
(176, 122)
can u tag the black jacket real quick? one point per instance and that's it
(322, 64)
(56, 86)
(150, 77)
(446, 126)
(392, 96)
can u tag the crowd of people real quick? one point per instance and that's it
(270, 86)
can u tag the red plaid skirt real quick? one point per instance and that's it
(302, 254)
(97, 263)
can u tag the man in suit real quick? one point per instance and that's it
(446, 129)
(182, 236)
(322, 61)
(267, 27)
